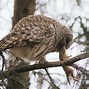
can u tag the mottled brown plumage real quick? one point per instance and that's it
(35, 36)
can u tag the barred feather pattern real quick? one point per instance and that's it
(35, 36)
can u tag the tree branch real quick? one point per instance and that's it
(26, 68)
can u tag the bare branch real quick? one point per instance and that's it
(26, 68)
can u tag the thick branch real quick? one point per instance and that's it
(26, 68)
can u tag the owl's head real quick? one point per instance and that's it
(66, 39)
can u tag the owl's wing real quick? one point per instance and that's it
(28, 33)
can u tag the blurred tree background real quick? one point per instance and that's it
(73, 13)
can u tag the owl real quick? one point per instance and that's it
(34, 36)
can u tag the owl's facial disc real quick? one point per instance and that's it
(66, 42)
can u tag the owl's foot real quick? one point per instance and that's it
(42, 60)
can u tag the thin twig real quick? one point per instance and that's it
(53, 84)
(3, 61)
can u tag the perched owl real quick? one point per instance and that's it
(35, 36)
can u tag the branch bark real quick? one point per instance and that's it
(26, 68)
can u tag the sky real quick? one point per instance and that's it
(55, 9)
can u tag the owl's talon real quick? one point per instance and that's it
(42, 60)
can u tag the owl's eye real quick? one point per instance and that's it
(67, 41)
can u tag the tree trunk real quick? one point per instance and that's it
(22, 8)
